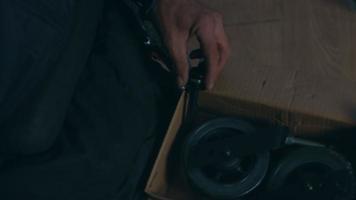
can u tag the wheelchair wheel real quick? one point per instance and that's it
(233, 176)
(312, 173)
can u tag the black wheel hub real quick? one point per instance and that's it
(222, 173)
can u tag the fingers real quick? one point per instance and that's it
(178, 51)
(209, 30)
(210, 50)
(214, 44)
(223, 46)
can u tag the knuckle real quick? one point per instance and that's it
(210, 21)
(218, 16)
(210, 17)
(213, 16)
(204, 19)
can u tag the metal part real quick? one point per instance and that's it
(193, 87)
(147, 42)
(291, 140)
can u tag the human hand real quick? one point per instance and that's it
(179, 20)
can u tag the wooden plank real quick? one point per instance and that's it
(303, 62)
(247, 11)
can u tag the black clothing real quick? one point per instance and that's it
(81, 106)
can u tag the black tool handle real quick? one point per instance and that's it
(195, 84)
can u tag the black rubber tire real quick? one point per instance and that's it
(303, 156)
(210, 188)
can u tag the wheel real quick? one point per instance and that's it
(312, 173)
(233, 177)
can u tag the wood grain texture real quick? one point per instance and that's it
(295, 55)
(247, 11)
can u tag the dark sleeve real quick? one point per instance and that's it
(145, 5)
(39, 68)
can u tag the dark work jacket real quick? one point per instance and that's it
(81, 108)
